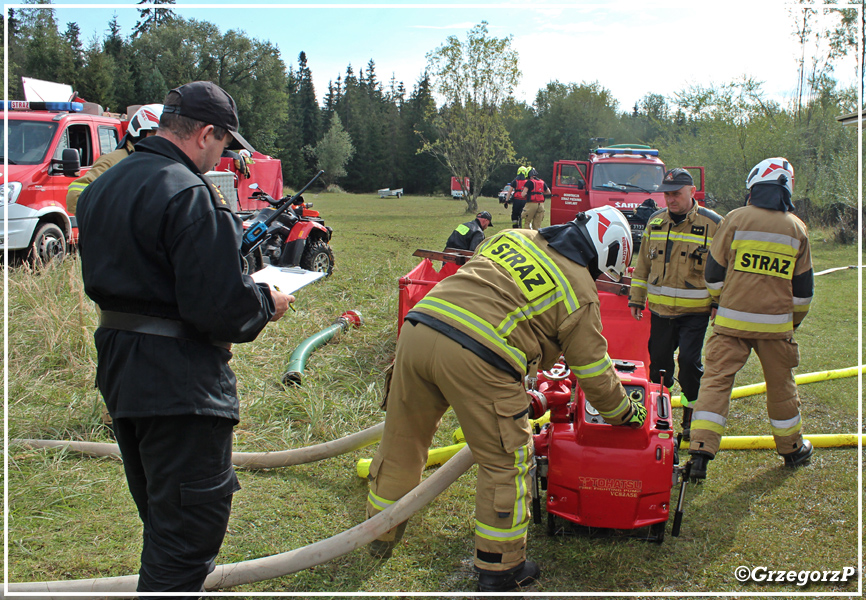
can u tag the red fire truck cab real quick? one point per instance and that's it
(622, 176)
(43, 141)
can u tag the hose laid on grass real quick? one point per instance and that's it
(278, 565)
(766, 442)
(760, 388)
(244, 460)
(298, 359)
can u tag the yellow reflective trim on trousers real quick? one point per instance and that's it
(708, 425)
(670, 301)
(760, 246)
(378, 501)
(476, 324)
(521, 464)
(749, 326)
(787, 431)
(532, 309)
(562, 281)
(611, 414)
(592, 369)
(801, 308)
(500, 535)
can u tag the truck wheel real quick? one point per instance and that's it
(318, 257)
(49, 244)
(399, 194)
(252, 262)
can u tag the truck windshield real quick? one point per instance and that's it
(28, 141)
(627, 177)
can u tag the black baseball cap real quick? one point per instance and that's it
(675, 179)
(484, 215)
(207, 102)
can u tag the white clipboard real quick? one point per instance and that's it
(287, 280)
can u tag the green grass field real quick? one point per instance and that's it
(71, 517)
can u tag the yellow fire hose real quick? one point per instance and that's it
(760, 388)
(438, 456)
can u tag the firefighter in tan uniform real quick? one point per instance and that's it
(534, 190)
(143, 123)
(525, 297)
(760, 273)
(669, 276)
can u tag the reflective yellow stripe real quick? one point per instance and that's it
(669, 301)
(521, 464)
(676, 236)
(744, 321)
(709, 425)
(77, 186)
(619, 410)
(759, 246)
(527, 312)
(782, 428)
(638, 283)
(500, 535)
(378, 501)
(474, 323)
(592, 369)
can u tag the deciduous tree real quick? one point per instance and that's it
(474, 78)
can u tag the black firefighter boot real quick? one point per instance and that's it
(687, 424)
(698, 470)
(800, 457)
(524, 574)
(382, 549)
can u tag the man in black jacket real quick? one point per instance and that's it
(467, 236)
(160, 256)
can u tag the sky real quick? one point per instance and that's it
(631, 48)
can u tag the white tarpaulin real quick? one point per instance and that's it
(36, 90)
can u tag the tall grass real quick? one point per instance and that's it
(71, 517)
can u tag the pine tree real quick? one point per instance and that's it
(149, 18)
(308, 107)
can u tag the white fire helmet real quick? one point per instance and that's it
(145, 118)
(777, 171)
(610, 233)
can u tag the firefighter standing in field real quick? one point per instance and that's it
(534, 190)
(516, 197)
(143, 123)
(760, 273)
(669, 276)
(525, 299)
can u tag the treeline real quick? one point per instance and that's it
(725, 128)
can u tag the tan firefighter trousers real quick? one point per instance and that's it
(725, 356)
(533, 215)
(431, 373)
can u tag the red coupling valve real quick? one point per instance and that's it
(350, 317)
(537, 404)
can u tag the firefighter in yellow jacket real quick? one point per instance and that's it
(143, 123)
(669, 276)
(760, 273)
(525, 299)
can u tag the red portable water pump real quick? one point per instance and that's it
(599, 475)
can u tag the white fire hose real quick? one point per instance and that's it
(278, 565)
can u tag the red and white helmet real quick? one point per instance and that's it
(145, 118)
(777, 171)
(610, 233)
